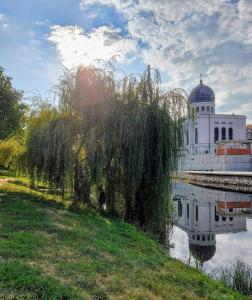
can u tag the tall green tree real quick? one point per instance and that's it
(115, 137)
(12, 110)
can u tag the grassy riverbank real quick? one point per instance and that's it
(49, 251)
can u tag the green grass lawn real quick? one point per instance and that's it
(48, 251)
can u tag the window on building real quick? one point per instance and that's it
(187, 137)
(212, 109)
(197, 109)
(196, 136)
(187, 210)
(208, 108)
(216, 134)
(197, 213)
(202, 108)
(198, 237)
(180, 209)
(223, 133)
(230, 133)
(203, 238)
(216, 216)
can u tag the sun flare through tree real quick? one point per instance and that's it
(119, 137)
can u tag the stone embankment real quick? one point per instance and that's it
(231, 181)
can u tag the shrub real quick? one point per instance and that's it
(238, 276)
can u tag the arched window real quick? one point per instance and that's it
(212, 109)
(202, 108)
(223, 133)
(197, 213)
(230, 133)
(196, 136)
(216, 134)
(197, 109)
(187, 137)
(187, 211)
(208, 109)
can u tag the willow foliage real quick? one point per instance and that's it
(135, 149)
(120, 137)
(12, 150)
(48, 148)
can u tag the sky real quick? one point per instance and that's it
(180, 38)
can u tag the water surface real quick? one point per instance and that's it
(213, 227)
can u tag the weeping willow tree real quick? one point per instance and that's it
(135, 149)
(120, 137)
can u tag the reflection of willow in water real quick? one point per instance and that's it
(202, 213)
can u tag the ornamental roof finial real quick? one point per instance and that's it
(200, 78)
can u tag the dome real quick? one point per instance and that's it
(202, 253)
(201, 93)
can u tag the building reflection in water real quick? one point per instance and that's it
(203, 213)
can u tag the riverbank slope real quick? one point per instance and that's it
(50, 251)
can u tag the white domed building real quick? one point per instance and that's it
(214, 141)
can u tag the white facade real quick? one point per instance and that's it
(203, 132)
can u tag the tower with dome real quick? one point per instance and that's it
(214, 141)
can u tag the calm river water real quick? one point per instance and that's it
(213, 227)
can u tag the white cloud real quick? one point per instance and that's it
(245, 9)
(42, 23)
(3, 25)
(185, 38)
(76, 47)
(120, 5)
